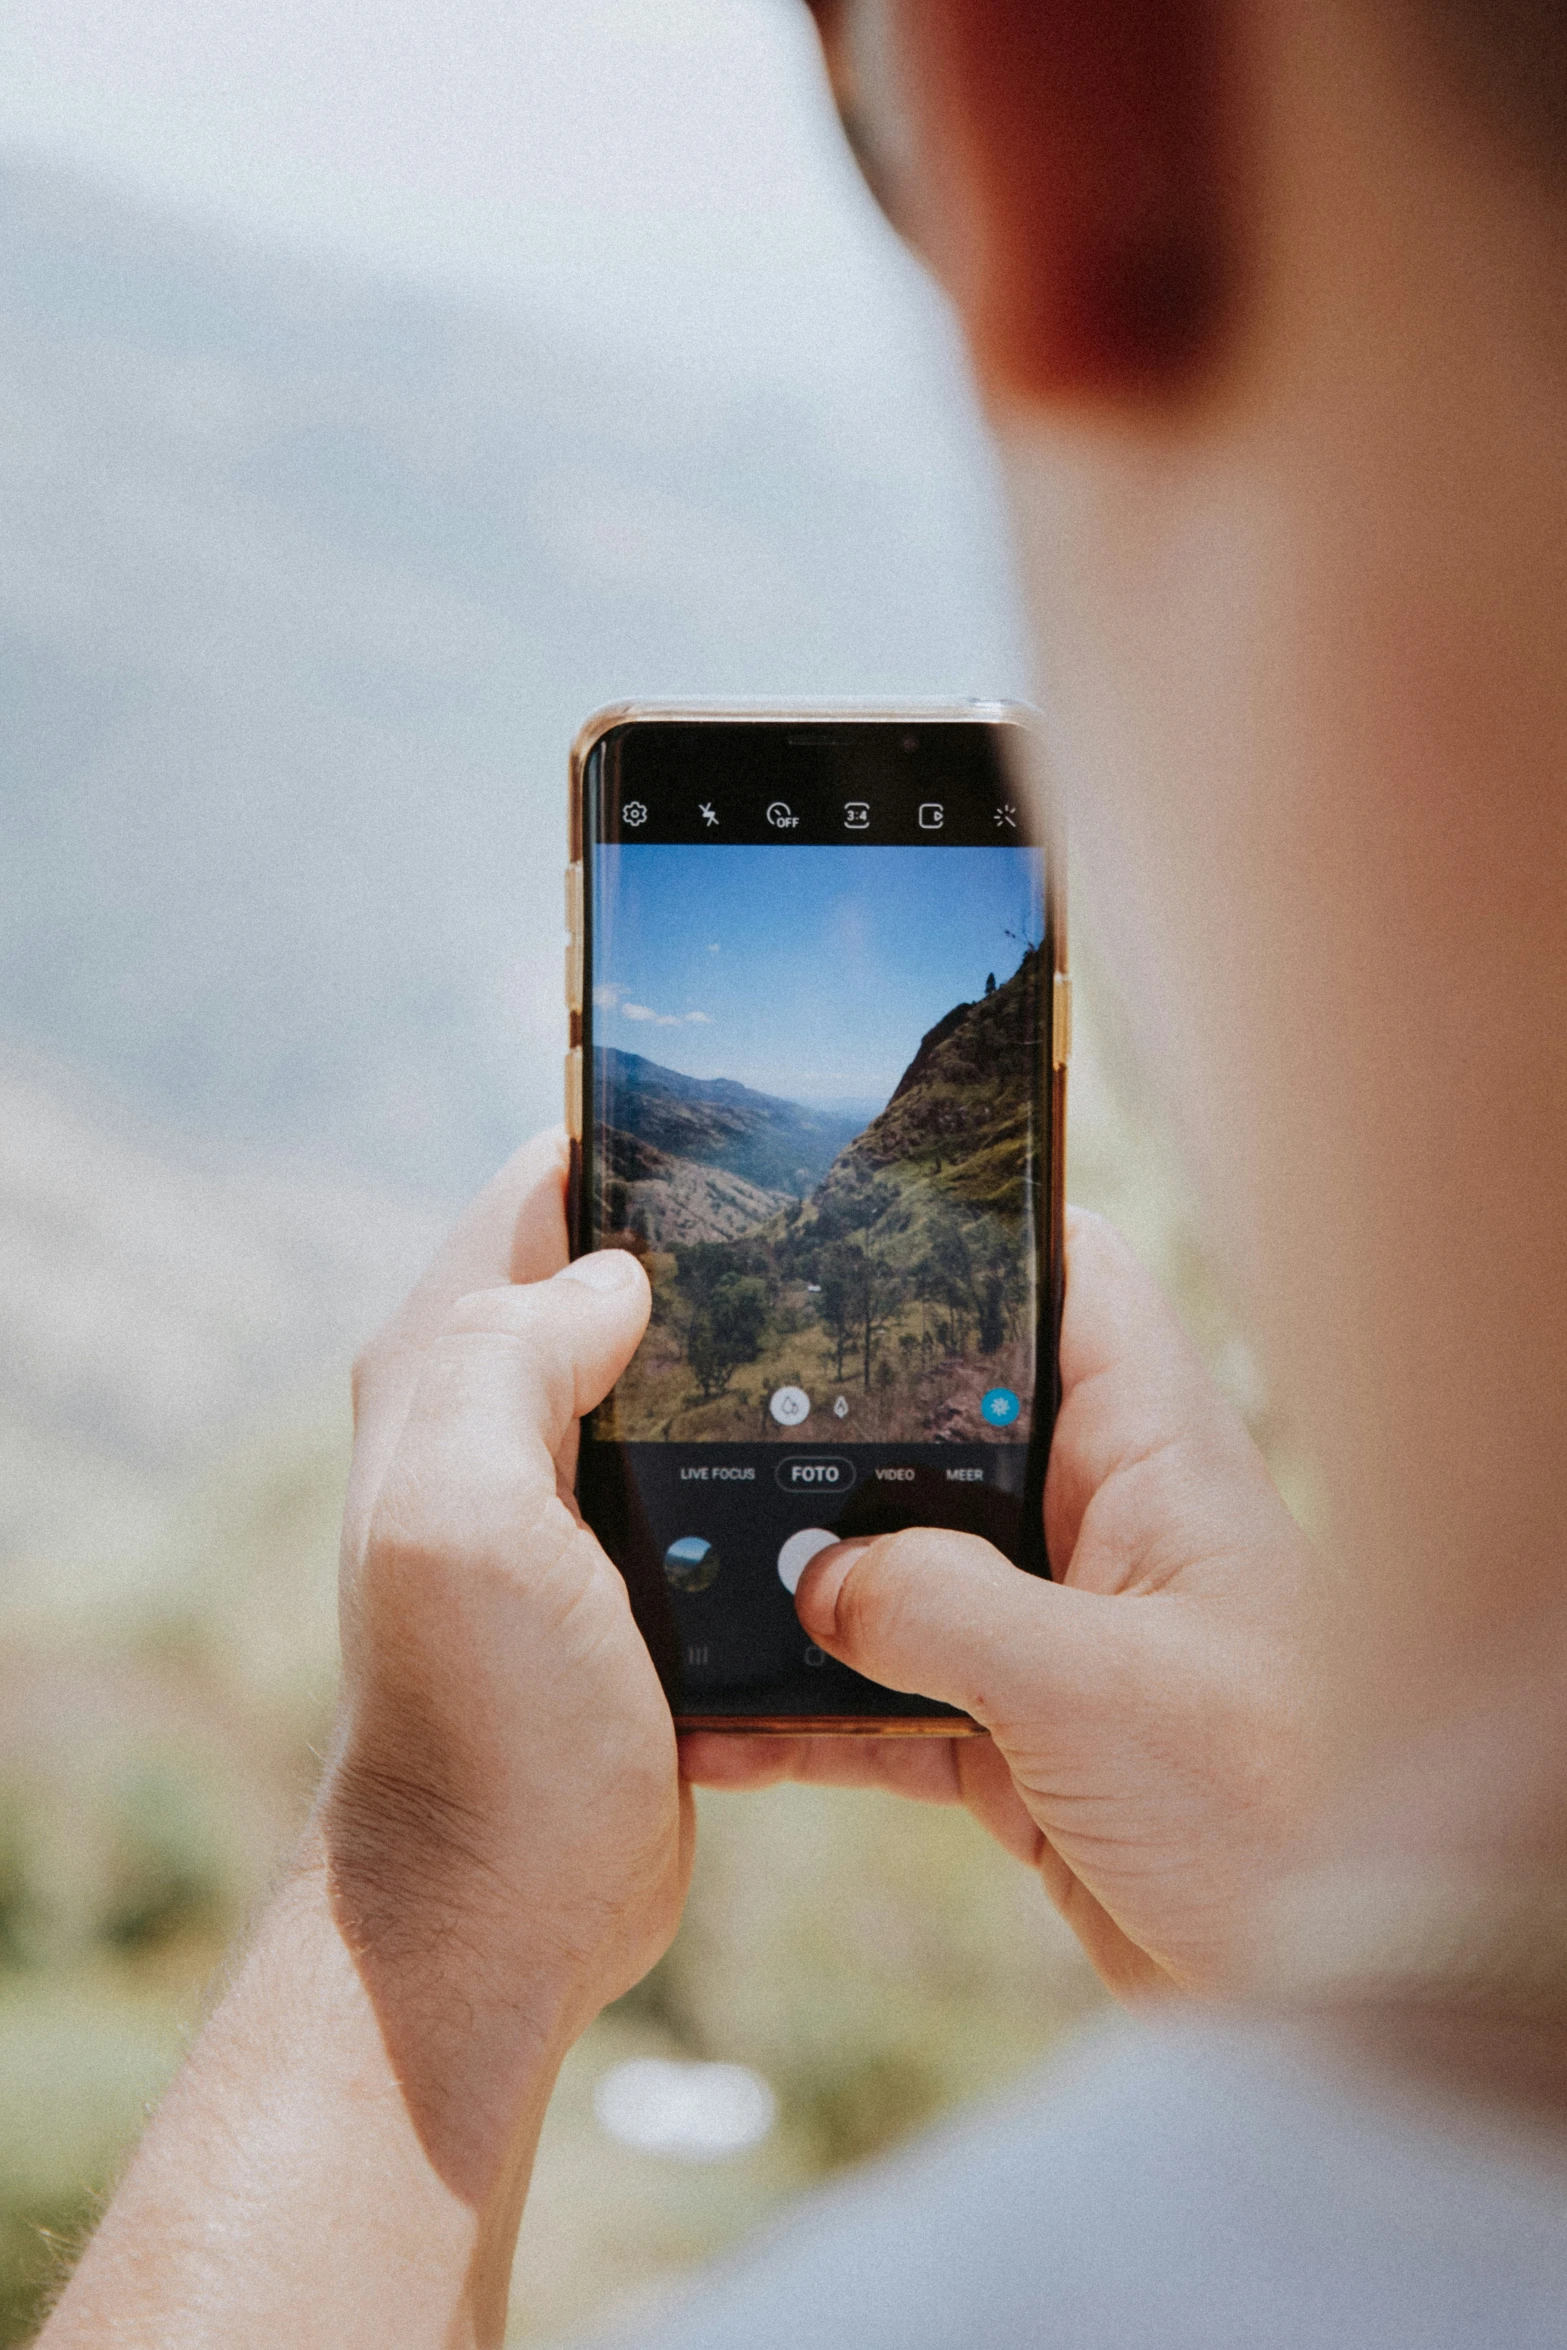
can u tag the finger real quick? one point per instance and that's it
(474, 1462)
(946, 1616)
(1121, 1966)
(470, 1540)
(922, 1768)
(542, 1352)
(964, 1770)
(990, 1792)
(514, 1231)
(506, 1375)
(1131, 1384)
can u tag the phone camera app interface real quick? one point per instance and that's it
(815, 1119)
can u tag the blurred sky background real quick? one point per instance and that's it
(389, 387)
(385, 389)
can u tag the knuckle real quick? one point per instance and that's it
(529, 1316)
(535, 1324)
(499, 1310)
(426, 1526)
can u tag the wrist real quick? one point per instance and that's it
(476, 2011)
(295, 2168)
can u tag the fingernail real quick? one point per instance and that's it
(816, 1601)
(602, 1268)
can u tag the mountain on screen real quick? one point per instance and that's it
(777, 1145)
(954, 1122)
(892, 1289)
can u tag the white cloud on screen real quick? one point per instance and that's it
(665, 1019)
(612, 998)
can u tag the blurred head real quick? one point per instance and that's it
(1267, 302)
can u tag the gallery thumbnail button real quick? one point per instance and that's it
(815, 1472)
(691, 1564)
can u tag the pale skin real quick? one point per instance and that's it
(1299, 604)
(344, 2159)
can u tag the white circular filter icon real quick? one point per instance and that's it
(798, 1552)
(790, 1405)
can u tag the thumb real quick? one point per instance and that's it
(945, 1615)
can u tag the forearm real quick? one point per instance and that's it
(282, 2194)
(343, 2161)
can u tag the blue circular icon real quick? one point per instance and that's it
(999, 1407)
(691, 1564)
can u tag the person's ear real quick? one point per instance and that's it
(1079, 197)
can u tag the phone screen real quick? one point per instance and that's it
(817, 981)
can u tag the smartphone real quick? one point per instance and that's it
(820, 1021)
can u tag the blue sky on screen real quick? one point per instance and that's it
(807, 972)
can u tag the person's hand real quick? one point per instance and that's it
(1147, 1710)
(507, 1835)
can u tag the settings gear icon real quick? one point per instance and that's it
(634, 812)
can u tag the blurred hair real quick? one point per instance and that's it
(1509, 59)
